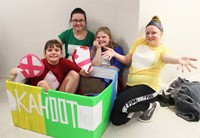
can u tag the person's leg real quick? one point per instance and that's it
(147, 115)
(133, 99)
(44, 85)
(142, 96)
(145, 103)
(70, 82)
(118, 118)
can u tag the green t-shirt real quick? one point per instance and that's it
(67, 37)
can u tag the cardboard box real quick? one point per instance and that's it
(60, 114)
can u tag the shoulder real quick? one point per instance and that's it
(44, 60)
(62, 60)
(118, 49)
(91, 34)
(68, 31)
(165, 50)
(66, 61)
(140, 40)
(64, 36)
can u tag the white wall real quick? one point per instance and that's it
(181, 20)
(26, 25)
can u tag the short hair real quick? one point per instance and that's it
(51, 43)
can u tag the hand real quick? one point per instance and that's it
(109, 53)
(185, 62)
(87, 74)
(84, 73)
(96, 44)
(14, 71)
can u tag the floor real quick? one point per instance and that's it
(166, 124)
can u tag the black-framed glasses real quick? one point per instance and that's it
(76, 21)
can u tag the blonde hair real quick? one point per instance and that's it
(156, 18)
(107, 31)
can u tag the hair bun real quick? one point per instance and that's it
(155, 21)
(156, 18)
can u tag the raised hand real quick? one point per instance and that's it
(186, 62)
(109, 53)
(96, 44)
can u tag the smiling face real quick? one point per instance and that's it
(53, 54)
(53, 51)
(103, 39)
(153, 35)
(78, 21)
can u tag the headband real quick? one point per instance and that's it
(155, 21)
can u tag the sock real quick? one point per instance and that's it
(150, 106)
(130, 115)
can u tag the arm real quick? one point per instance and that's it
(124, 59)
(115, 63)
(97, 58)
(184, 62)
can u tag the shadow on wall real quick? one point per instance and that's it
(126, 48)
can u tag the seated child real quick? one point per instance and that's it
(103, 39)
(59, 73)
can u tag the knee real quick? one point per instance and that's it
(73, 74)
(115, 121)
(118, 118)
(118, 104)
(43, 84)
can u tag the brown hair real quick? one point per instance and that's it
(107, 31)
(51, 44)
(78, 10)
